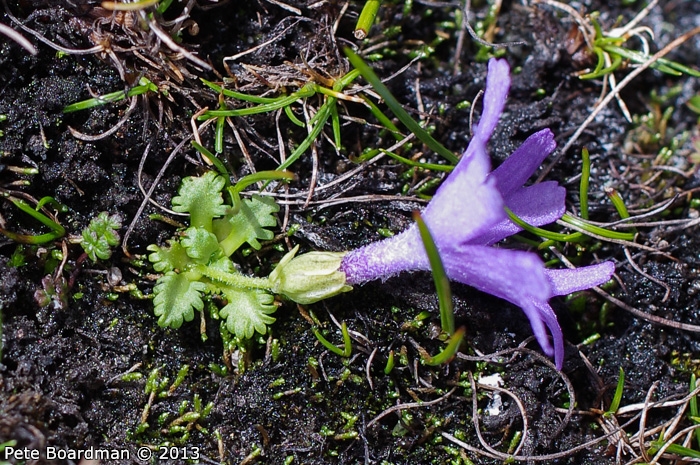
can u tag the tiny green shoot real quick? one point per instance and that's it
(585, 177)
(554, 236)
(427, 166)
(617, 202)
(389, 363)
(617, 396)
(366, 19)
(693, 410)
(448, 352)
(347, 343)
(57, 230)
(144, 86)
(675, 449)
(442, 282)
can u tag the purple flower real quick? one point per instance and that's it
(467, 216)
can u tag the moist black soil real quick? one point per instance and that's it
(75, 374)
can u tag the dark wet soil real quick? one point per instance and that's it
(77, 375)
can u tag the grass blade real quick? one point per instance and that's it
(442, 283)
(397, 109)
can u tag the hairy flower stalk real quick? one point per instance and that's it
(467, 216)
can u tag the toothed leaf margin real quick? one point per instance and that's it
(176, 299)
(248, 311)
(171, 258)
(201, 198)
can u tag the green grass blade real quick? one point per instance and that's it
(639, 58)
(585, 177)
(163, 6)
(218, 164)
(335, 123)
(292, 117)
(693, 407)
(617, 397)
(346, 80)
(144, 86)
(219, 135)
(24, 206)
(382, 118)
(558, 237)
(366, 19)
(618, 203)
(397, 109)
(281, 102)
(48, 200)
(57, 230)
(674, 449)
(427, 166)
(617, 61)
(389, 363)
(320, 120)
(95, 102)
(442, 283)
(238, 95)
(246, 181)
(680, 67)
(448, 352)
(586, 226)
(345, 351)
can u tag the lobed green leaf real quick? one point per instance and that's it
(200, 244)
(248, 311)
(173, 258)
(176, 299)
(247, 225)
(201, 198)
(100, 235)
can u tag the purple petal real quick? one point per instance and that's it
(537, 205)
(497, 85)
(537, 323)
(513, 275)
(565, 282)
(467, 203)
(550, 319)
(518, 168)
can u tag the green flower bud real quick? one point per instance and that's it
(310, 277)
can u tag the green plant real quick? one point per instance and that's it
(366, 18)
(54, 291)
(100, 236)
(609, 52)
(332, 91)
(143, 87)
(189, 415)
(12, 443)
(45, 218)
(606, 50)
(347, 348)
(617, 396)
(198, 262)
